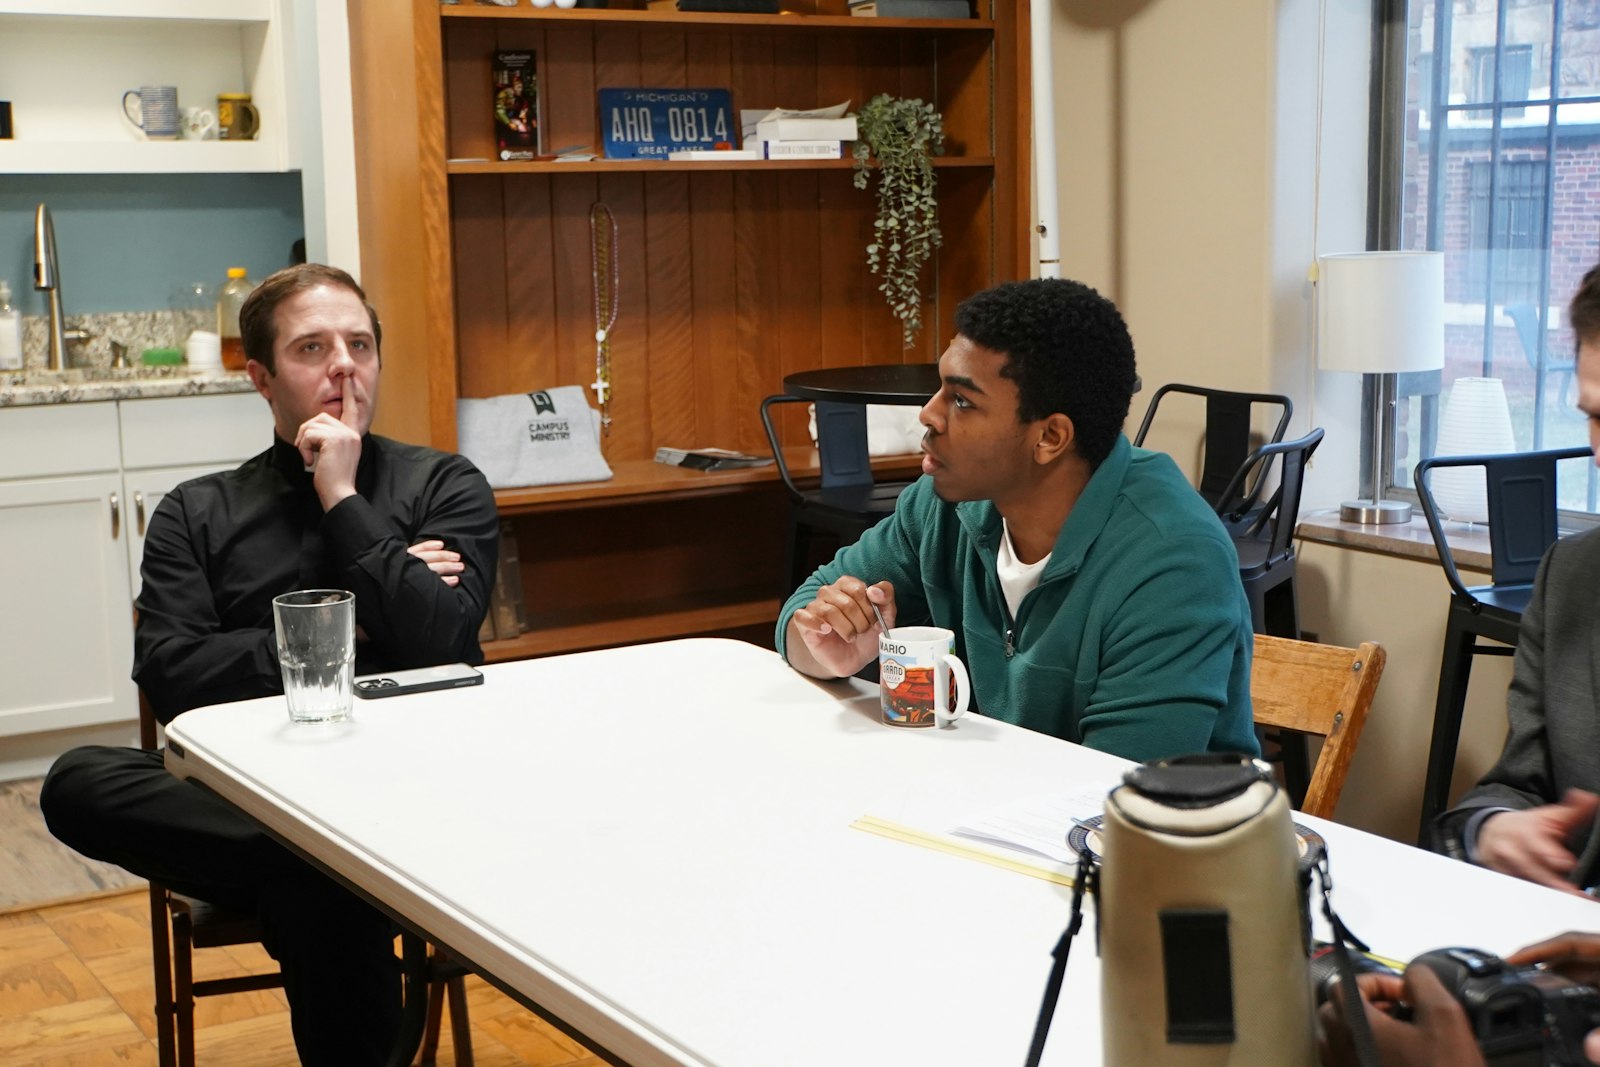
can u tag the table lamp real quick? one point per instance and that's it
(1380, 313)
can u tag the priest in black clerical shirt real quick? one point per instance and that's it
(411, 531)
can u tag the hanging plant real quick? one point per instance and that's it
(902, 136)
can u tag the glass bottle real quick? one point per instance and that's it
(230, 298)
(10, 331)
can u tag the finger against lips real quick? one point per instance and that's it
(347, 402)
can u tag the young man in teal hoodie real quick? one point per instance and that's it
(1094, 595)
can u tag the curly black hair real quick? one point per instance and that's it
(1067, 349)
(1584, 311)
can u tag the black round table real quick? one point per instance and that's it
(879, 383)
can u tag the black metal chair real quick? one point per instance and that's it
(1263, 535)
(1229, 435)
(846, 502)
(1521, 491)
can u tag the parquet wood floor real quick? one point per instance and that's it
(76, 991)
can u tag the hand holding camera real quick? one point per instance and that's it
(1460, 1007)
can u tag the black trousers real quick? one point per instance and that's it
(336, 951)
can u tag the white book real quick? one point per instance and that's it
(715, 155)
(803, 149)
(807, 129)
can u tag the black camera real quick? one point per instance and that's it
(1522, 1016)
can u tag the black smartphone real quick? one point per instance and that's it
(392, 684)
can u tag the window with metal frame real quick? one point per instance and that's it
(1487, 130)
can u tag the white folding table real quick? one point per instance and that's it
(654, 846)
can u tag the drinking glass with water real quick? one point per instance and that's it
(317, 651)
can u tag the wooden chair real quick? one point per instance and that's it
(180, 924)
(1325, 690)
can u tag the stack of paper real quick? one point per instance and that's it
(787, 134)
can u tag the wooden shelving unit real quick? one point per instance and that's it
(734, 274)
(665, 166)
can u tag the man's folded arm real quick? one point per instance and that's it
(182, 657)
(405, 609)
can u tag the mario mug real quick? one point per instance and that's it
(916, 668)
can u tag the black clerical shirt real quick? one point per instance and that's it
(219, 548)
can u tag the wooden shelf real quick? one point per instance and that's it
(646, 480)
(649, 621)
(733, 274)
(637, 166)
(718, 19)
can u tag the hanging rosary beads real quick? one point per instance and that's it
(606, 274)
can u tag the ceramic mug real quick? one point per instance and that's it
(198, 124)
(237, 117)
(154, 110)
(916, 665)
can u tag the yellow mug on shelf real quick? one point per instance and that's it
(237, 117)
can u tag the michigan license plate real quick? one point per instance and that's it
(649, 123)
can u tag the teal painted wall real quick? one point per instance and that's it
(125, 242)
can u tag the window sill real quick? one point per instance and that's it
(1469, 542)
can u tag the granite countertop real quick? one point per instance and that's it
(23, 389)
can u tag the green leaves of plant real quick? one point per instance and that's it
(902, 135)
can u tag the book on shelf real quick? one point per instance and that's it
(749, 7)
(803, 149)
(709, 459)
(779, 128)
(912, 9)
(751, 119)
(715, 155)
(516, 106)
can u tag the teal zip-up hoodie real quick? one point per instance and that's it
(1137, 639)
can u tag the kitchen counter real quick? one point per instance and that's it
(24, 389)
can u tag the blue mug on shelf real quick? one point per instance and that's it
(154, 109)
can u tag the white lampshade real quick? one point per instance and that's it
(1380, 312)
(1476, 421)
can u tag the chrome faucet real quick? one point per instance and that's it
(47, 278)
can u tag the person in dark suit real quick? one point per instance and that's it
(412, 532)
(1533, 814)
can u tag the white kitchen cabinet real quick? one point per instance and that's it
(143, 490)
(65, 618)
(78, 484)
(66, 630)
